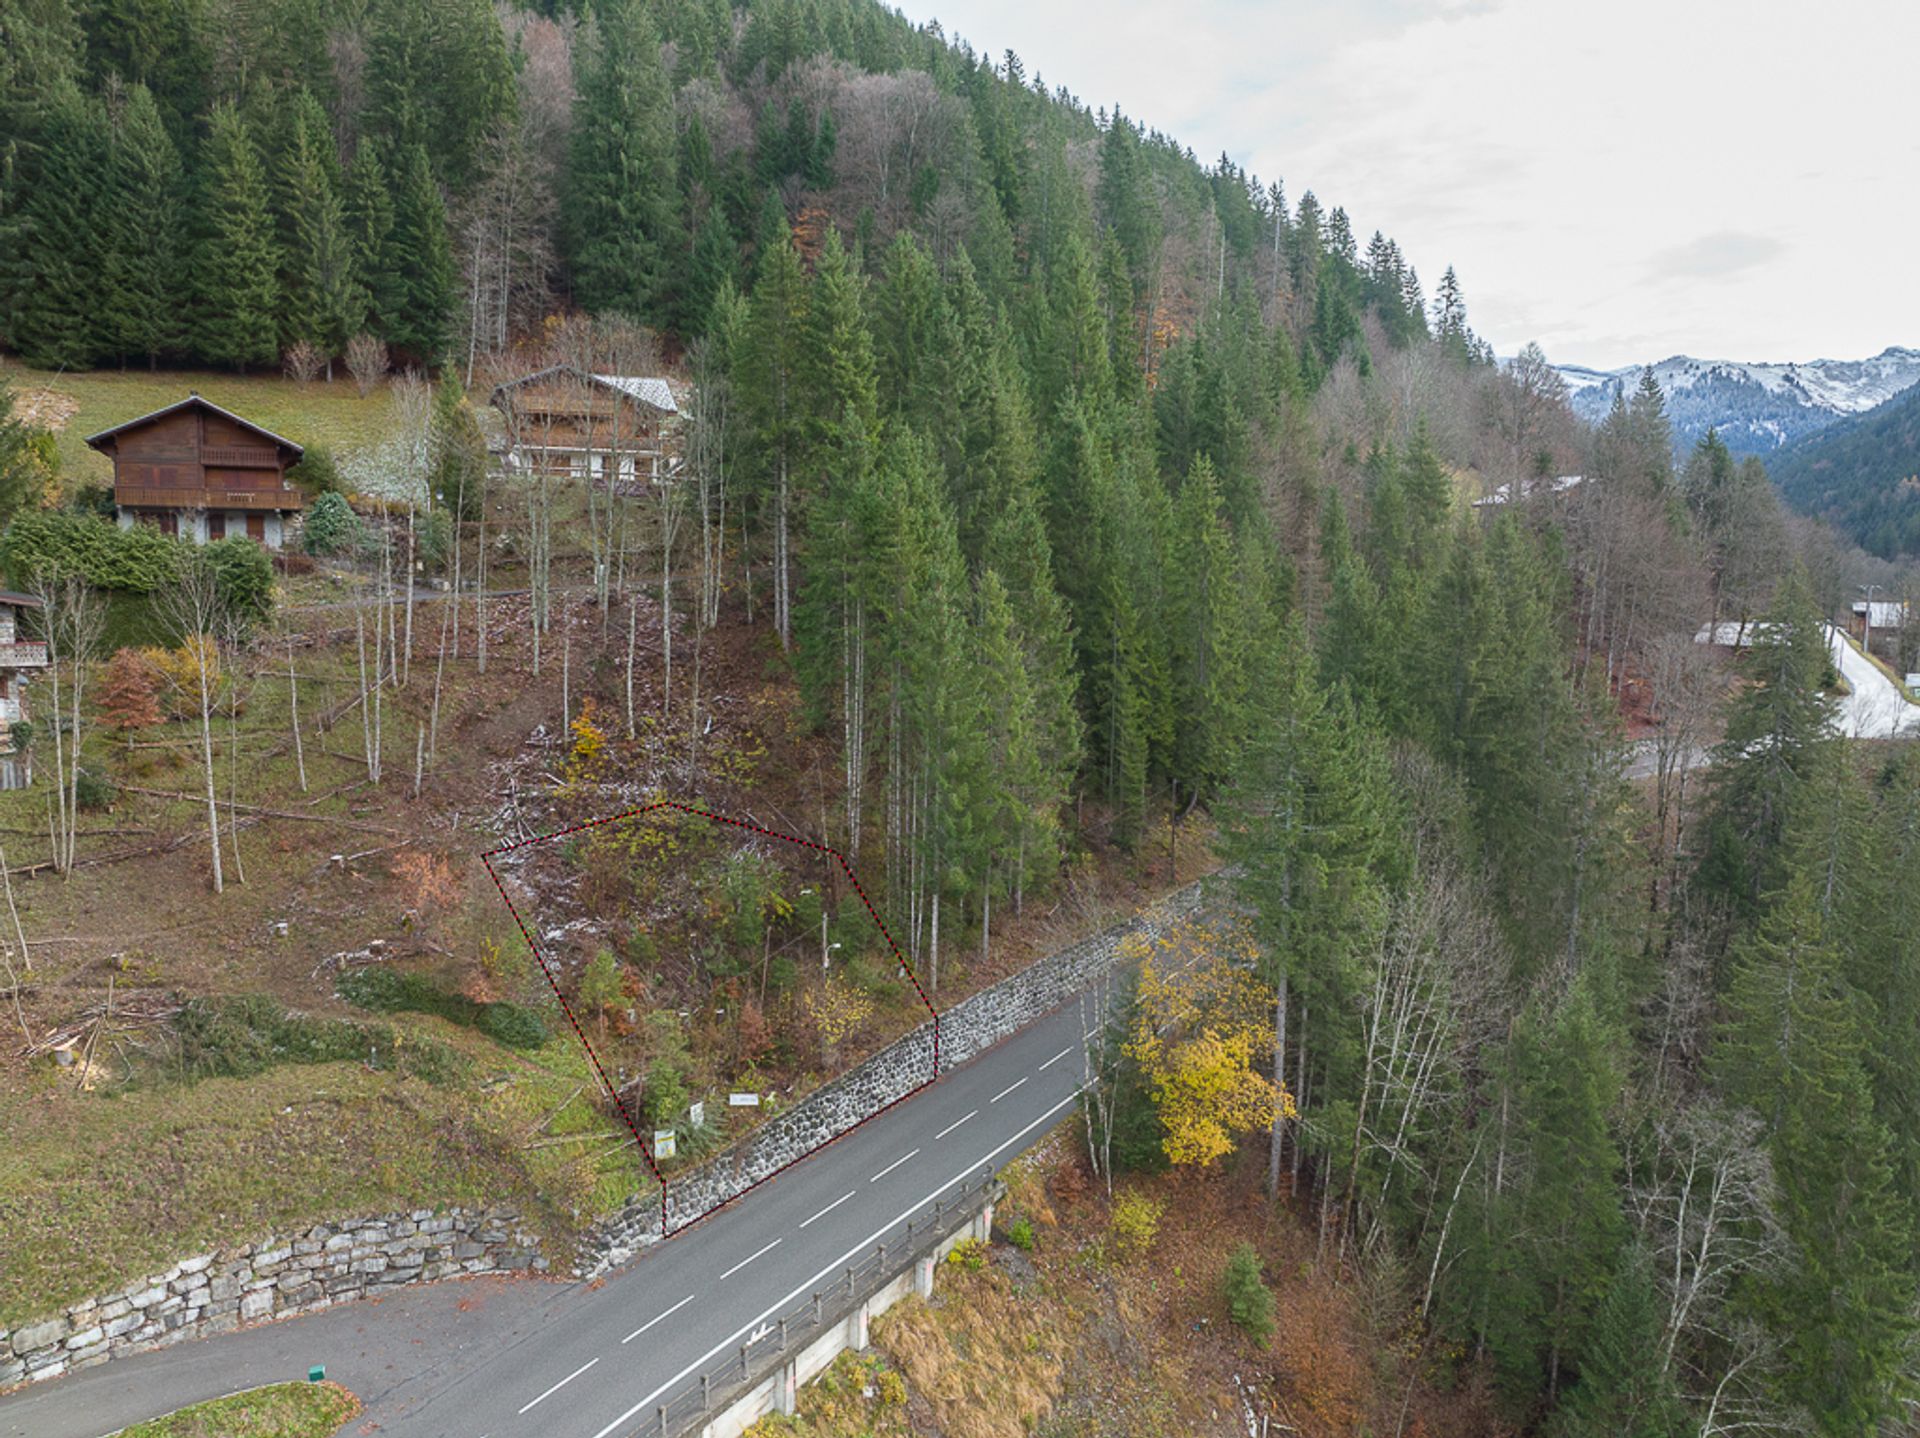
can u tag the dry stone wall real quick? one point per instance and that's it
(969, 1028)
(219, 1291)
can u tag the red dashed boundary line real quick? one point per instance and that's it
(593, 1058)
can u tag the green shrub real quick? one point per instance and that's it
(1249, 1300)
(40, 541)
(96, 498)
(600, 985)
(251, 1033)
(332, 527)
(94, 792)
(1020, 1234)
(389, 991)
(20, 733)
(781, 973)
(1136, 1222)
(666, 1093)
(316, 473)
(243, 574)
(968, 1253)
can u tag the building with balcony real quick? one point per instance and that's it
(20, 659)
(618, 430)
(202, 472)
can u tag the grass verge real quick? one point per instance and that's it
(282, 1410)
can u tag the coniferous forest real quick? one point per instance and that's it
(1088, 487)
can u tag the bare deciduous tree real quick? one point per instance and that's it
(366, 362)
(195, 606)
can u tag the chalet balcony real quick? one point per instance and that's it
(153, 496)
(23, 654)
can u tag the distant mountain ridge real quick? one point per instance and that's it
(1755, 407)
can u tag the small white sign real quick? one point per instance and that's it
(1913, 681)
(697, 1114)
(743, 1100)
(663, 1144)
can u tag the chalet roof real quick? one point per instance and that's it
(195, 401)
(1881, 613)
(14, 596)
(650, 390)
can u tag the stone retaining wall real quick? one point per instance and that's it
(969, 1028)
(331, 1263)
(219, 1291)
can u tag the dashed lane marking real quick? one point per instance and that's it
(830, 1207)
(657, 1318)
(952, 1126)
(749, 1259)
(562, 1383)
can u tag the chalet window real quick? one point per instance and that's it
(216, 526)
(257, 528)
(168, 521)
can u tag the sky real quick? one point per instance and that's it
(1619, 180)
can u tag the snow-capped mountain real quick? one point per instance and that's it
(1755, 407)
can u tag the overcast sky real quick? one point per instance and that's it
(1621, 180)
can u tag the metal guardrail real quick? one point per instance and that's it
(732, 1376)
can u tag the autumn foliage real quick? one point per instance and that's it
(1198, 1029)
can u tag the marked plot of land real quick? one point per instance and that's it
(713, 969)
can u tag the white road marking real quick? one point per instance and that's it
(1005, 1091)
(562, 1383)
(749, 1259)
(1055, 1059)
(656, 1318)
(832, 1206)
(952, 1126)
(890, 1168)
(834, 1267)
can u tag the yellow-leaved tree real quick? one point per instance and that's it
(589, 747)
(1198, 1025)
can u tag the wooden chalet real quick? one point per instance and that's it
(567, 422)
(200, 471)
(20, 659)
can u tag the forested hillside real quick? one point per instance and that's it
(1085, 490)
(1862, 476)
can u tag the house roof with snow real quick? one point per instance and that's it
(1504, 494)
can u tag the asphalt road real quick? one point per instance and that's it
(516, 1358)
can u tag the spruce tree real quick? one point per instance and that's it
(1778, 732)
(620, 191)
(1625, 1389)
(50, 246)
(1794, 1050)
(235, 262)
(145, 234)
(420, 260)
(368, 211)
(324, 302)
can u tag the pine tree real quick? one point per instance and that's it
(620, 212)
(420, 260)
(143, 274)
(236, 262)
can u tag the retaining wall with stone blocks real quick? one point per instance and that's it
(221, 1290)
(969, 1028)
(331, 1263)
